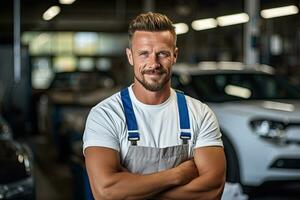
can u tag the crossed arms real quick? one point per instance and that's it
(202, 178)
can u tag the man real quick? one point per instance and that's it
(149, 141)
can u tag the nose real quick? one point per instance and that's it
(153, 61)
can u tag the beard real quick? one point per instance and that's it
(155, 84)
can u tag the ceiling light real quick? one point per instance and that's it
(181, 28)
(66, 1)
(278, 106)
(238, 91)
(279, 12)
(233, 19)
(51, 12)
(203, 24)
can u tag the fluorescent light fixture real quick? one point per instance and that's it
(278, 106)
(233, 19)
(181, 28)
(279, 12)
(203, 24)
(51, 12)
(238, 91)
(66, 1)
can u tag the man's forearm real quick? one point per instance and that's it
(126, 185)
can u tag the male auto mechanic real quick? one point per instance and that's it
(149, 141)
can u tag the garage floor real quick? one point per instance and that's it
(54, 178)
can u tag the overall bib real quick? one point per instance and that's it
(146, 160)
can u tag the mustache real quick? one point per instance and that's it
(159, 70)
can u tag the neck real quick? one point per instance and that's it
(151, 97)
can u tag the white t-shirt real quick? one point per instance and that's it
(158, 124)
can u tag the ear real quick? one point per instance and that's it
(175, 55)
(129, 56)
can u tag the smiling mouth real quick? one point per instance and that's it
(154, 72)
(155, 75)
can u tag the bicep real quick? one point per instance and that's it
(101, 164)
(211, 163)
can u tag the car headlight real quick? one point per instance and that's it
(269, 129)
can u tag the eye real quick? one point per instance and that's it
(163, 54)
(143, 53)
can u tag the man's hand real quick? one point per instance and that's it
(211, 165)
(187, 171)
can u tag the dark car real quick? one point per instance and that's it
(16, 167)
(64, 107)
(83, 88)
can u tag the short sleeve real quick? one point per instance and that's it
(100, 130)
(208, 129)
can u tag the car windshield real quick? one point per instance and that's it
(81, 81)
(232, 87)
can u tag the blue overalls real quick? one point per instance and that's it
(145, 160)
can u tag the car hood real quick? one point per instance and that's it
(83, 98)
(14, 162)
(283, 109)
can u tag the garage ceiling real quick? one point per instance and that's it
(113, 15)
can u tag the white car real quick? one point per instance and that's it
(259, 117)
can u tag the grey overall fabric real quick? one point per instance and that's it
(146, 160)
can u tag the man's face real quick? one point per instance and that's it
(152, 55)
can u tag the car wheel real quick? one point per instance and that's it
(233, 171)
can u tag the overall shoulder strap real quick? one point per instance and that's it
(185, 132)
(133, 134)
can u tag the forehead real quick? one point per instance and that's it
(164, 38)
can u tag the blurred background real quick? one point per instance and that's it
(58, 58)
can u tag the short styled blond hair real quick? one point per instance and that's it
(151, 22)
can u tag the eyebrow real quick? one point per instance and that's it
(142, 50)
